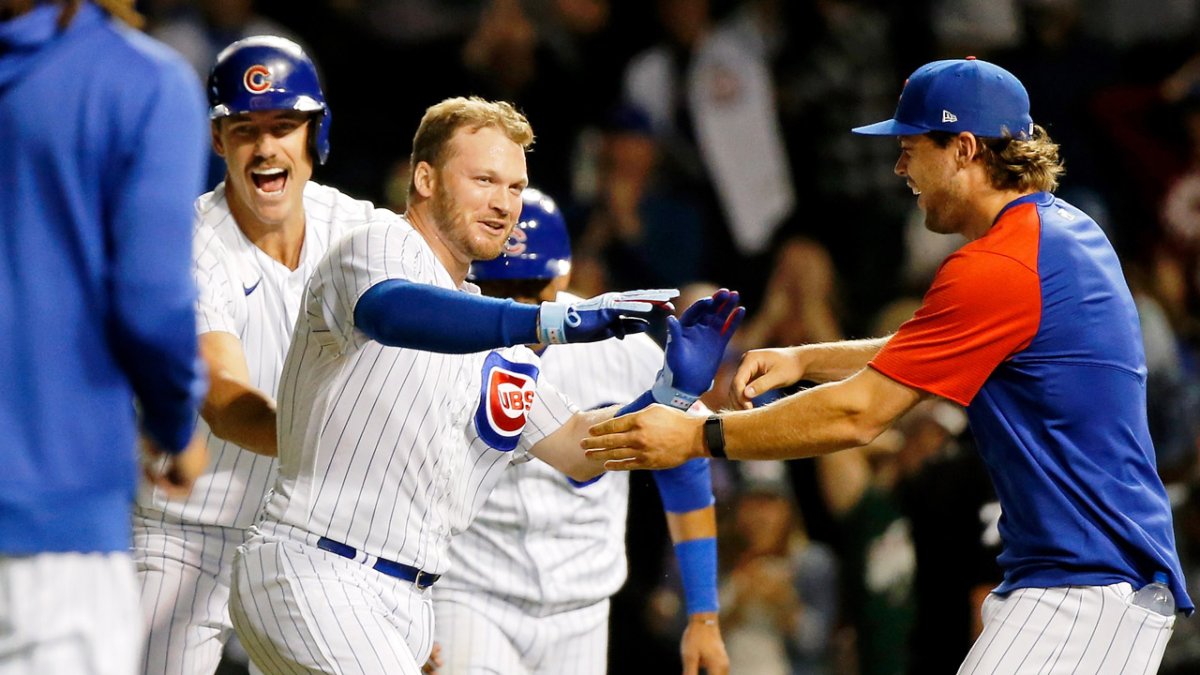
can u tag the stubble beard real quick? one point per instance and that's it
(455, 225)
(940, 216)
(933, 222)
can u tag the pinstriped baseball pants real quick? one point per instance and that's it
(1092, 630)
(482, 634)
(299, 609)
(183, 571)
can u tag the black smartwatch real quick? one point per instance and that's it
(714, 436)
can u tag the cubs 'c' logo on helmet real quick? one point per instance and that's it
(257, 79)
(516, 242)
(507, 392)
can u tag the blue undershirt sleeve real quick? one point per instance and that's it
(401, 313)
(686, 487)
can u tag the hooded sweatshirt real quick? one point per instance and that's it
(102, 150)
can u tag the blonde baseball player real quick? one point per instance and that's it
(257, 238)
(395, 422)
(528, 586)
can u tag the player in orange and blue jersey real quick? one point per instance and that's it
(1031, 326)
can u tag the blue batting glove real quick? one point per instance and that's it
(601, 317)
(695, 346)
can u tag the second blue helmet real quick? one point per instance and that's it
(268, 72)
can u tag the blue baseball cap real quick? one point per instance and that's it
(958, 95)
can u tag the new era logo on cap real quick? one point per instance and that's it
(986, 100)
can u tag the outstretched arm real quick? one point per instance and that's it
(816, 421)
(150, 307)
(762, 370)
(695, 345)
(560, 449)
(402, 313)
(236, 410)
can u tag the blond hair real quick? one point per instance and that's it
(1026, 165)
(431, 144)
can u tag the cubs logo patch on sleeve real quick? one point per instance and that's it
(507, 392)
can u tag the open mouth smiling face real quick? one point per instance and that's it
(270, 181)
(267, 155)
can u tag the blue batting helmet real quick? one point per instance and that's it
(538, 248)
(267, 72)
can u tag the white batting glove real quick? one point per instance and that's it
(601, 317)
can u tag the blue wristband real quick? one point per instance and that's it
(698, 572)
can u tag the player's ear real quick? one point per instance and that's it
(215, 133)
(966, 147)
(424, 179)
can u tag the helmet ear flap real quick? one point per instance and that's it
(318, 136)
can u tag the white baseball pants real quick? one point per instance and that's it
(481, 634)
(299, 609)
(184, 573)
(69, 613)
(1071, 629)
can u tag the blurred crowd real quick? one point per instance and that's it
(705, 143)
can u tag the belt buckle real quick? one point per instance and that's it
(424, 579)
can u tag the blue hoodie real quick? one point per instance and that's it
(102, 150)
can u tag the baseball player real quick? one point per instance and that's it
(395, 422)
(257, 238)
(528, 583)
(1031, 326)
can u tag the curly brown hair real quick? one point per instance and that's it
(1024, 164)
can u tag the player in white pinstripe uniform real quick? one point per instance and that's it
(258, 236)
(394, 420)
(528, 585)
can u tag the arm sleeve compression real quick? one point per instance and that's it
(401, 313)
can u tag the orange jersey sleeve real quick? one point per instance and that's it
(983, 306)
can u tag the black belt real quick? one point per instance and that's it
(388, 567)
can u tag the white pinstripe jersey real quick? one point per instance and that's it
(539, 539)
(244, 291)
(379, 446)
